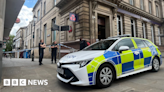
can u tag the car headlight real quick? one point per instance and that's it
(83, 63)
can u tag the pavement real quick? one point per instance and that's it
(25, 69)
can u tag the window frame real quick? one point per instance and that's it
(144, 29)
(45, 33)
(142, 42)
(131, 2)
(147, 43)
(121, 21)
(134, 28)
(54, 3)
(150, 7)
(44, 7)
(113, 49)
(53, 32)
(142, 4)
(38, 15)
(157, 10)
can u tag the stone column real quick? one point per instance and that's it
(139, 32)
(127, 24)
(148, 31)
(156, 33)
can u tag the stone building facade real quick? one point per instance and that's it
(20, 39)
(46, 13)
(98, 19)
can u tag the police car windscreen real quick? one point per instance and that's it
(102, 45)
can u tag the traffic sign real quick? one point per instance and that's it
(55, 27)
(65, 28)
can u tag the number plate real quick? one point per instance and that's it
(61, 71)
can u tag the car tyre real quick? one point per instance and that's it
(155, 65)
(105, 76)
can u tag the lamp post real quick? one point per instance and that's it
(34, 18)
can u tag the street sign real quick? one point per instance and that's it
(54, 27)
(4, 47)
(73, 17)
(65, 28)
(17, 20)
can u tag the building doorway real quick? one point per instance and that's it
(101, 28)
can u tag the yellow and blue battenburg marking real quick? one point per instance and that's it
(125, 62)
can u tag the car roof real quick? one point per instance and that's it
(134, 38)
(113, 38)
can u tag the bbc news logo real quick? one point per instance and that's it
(24, 82)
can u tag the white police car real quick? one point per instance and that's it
(102, 62)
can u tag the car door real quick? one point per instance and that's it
(148, 53)
(144, 54)
(127, 57)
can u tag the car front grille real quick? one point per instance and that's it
(68, 74)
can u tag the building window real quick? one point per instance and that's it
(54, 2)
(150, 7)
(44, 7)
(133, 31)
(38, 15)
(54, 32)
(152, 33)
(119, 25)
(159, 36)
(157, 11)
(131, 2)
(45, 33)
(142, 4)
(37, 36)
(144, 30)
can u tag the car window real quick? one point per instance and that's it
(148, 43)
(102, 45)
(124, 42)
(140, 43)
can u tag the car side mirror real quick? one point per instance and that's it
(123, 48)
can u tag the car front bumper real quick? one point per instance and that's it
(74, 75)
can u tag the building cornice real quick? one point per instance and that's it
(36, 5)
(65, 5)
(138, 11)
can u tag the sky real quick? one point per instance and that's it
(25, 16)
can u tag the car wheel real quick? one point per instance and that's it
(105, 76)
(155, 65)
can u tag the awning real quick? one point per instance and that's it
(13, 8)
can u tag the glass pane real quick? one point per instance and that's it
(125, 42)
(103, 45)
(140, 43)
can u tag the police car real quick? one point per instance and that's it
(104, 61)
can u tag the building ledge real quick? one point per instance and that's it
(138, 11)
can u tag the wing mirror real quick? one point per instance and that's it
(123, 48)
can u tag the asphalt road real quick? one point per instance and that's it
(25, 69)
